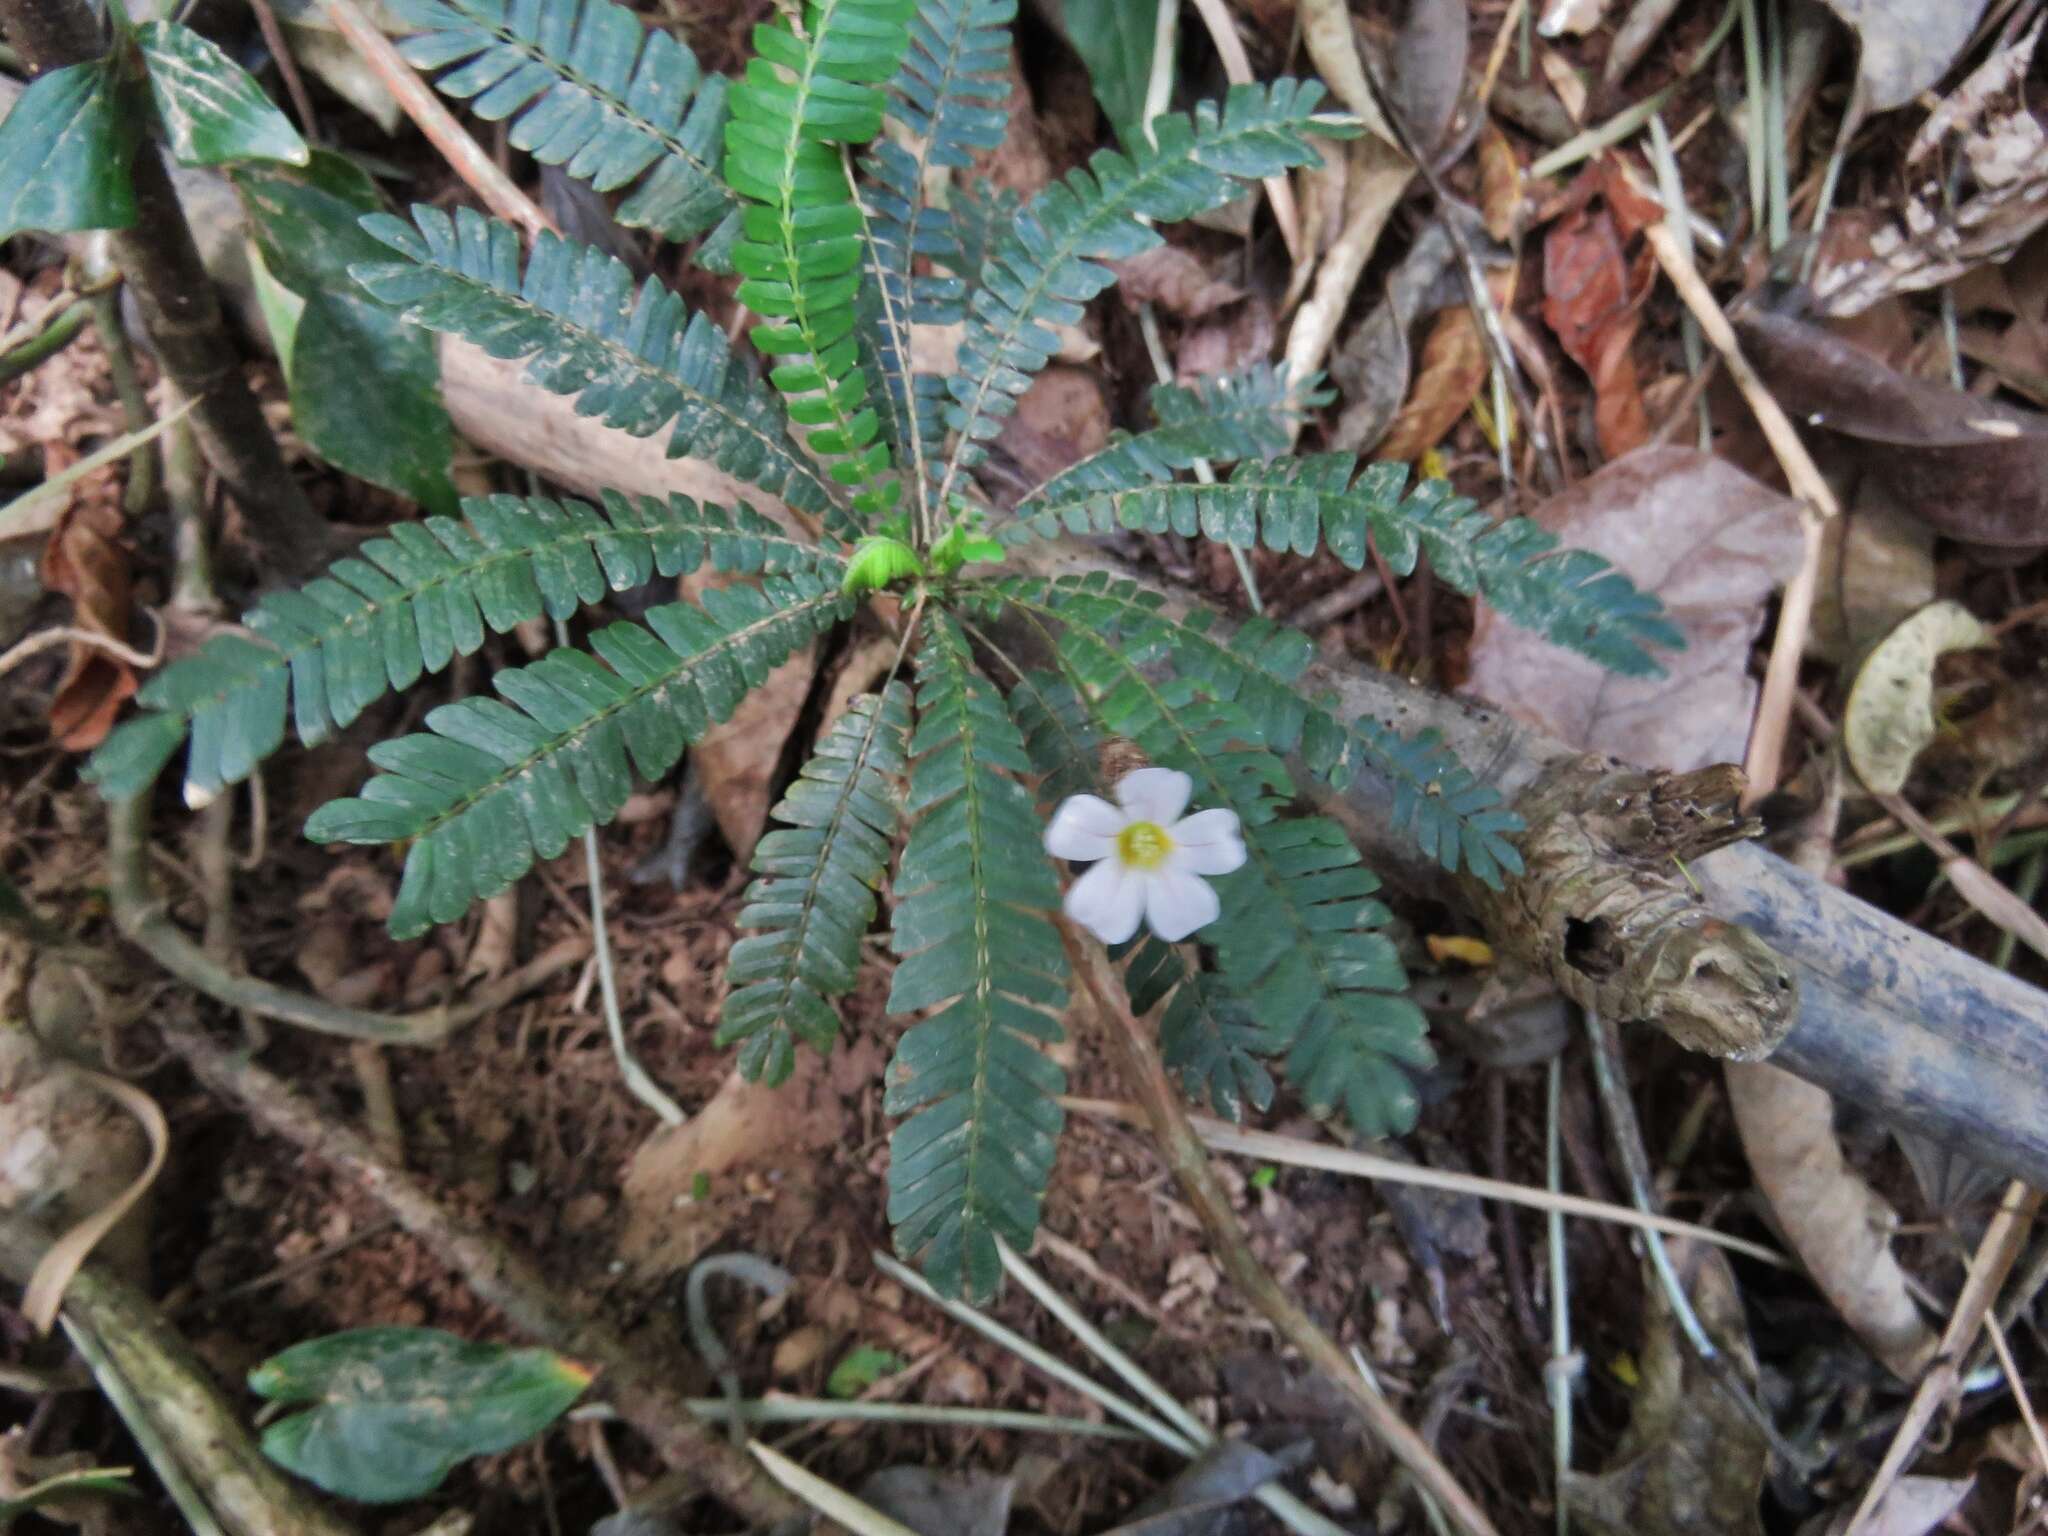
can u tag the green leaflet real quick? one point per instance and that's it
(819, 870)
(588, 87)
(806, 96)
(405, 606)
(64, 152)
(1049, 265)
(212, 110)
(1456, 819)
(636, 359)
(1116, 40)
(1572, 597)
(491, 785)
(973, 890)
(389, 1411)
(1297, 943)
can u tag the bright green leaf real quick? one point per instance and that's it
(879, 561)
(366, 397)
(212, 109)
(391, 1410)
(861, 1368)
(64, 152)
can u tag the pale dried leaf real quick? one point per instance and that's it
(1877, 566)
(1713, 544)
(1576, 17)
(1907, 44)
(1425, 75)
(1913, 1506)
(1326, 32)
(1982, 890)
(1890, 715)
(44, 1294)
(497, 936)
(1833, 1220)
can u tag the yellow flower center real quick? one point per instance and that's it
(1143, 845)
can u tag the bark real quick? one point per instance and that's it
(181, 311)
(1876, 1012)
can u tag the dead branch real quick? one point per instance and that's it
(641, 1385)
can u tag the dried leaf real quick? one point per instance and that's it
(497, 938)
(1713, 544)
(1576, 17)
(85, 561)
(1593, 292)
(1835, 1222)
(1173, 277)
(1426, 71)
(1970, 468)
(1691, 1463)
(1907, 44)
(1500, 183)
(1453, 368)
(1912, 1506)
(1226, 345)
(1985, 137)
(1890, 716)
(1372, 367)
(1877, 566)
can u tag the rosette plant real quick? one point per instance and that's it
(807, 178)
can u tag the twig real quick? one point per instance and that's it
(827, 1410)
(1563, 1367)
(1237, 68)
(640, 1383)
(287, 66)
(71, 634)
(1379, 177)
(1509, 24)
(1995, 1334)
(1185, 1157)
(1972, 881)
(1293, 1152)
(1989, 1266)
(464, 155)
(165, 1394)
(106, 319)
(140, 916)
(1205, 472)
(1763, 761)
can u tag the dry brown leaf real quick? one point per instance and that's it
(1174, 278)
(1452, 368)
(1500, 183)
(1227, 345)
(1833, 1220)
(1062, 417)
(497, 937)
(44, 1294)
(61, 400)
(1980, 169)
(1970, 468)
(1593, 292)
(1713, 544)
(86, 561)
(1426, 68)
(1907, 44)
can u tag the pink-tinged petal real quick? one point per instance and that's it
(1108, 901)
(1177, 903)
(1208, 842)
(1084, 827)
(1154, 794)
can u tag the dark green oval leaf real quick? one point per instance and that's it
(64, 152)
(212, 109)
(366, 397)
(393, 1409)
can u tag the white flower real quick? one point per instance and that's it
(1149, 859)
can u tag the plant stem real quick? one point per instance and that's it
(57, 334)
(160, 262)
(142, 477)
(1189, 1163)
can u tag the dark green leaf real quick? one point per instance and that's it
(1115, 39)
(393, 1409)
(307, 220)
(64, 152)
(366, 397)
(212, 109)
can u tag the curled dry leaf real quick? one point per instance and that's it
(1970, 468)
(1890, 716)
(1425, 74)
(1834, 1221)
(1500, 183)
(1452, 369)
(1593, 292)
(1332, 44)
(1980, 188)
(86, 562)
(1174, 278)
(1907, 45)
(1713, 544)
(1371, 369)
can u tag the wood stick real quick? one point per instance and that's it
(463, 154)
(1142, 1068)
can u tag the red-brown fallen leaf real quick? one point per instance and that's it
(1713, 544)
(1175, 279)
(86, 562)
(1593, 292)
(1500, 183)
(1451, 370)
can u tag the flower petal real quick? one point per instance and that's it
(1208, 842)
(1154, 794)
(1108, 901)
(1177, 903)
(1084, 827)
